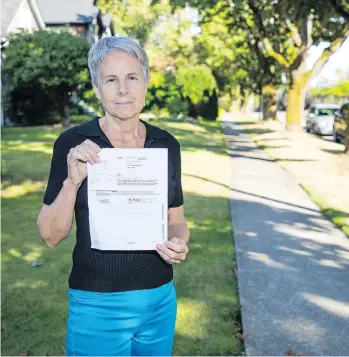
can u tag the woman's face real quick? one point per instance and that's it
(121, 87)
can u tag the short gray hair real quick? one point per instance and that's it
(100, 49)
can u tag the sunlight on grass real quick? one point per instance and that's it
(196, 312)
(206, 173)
(21, 190)
(15, 253)
(32, 146)
(32, 285)
(338, 217)
(187, 127)
(34, 133)
(34, 255)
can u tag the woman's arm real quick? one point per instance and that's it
(55, 221)
(177, 224)
(68, 170)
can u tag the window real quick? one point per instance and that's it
(326, 111)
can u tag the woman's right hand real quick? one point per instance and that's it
(77, 161)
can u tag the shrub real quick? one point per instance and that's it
(42, 69)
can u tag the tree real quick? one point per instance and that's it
(305, 24)
(242, 62)
(173, 48)
(134, 18)
(283, 32)
(43, 70)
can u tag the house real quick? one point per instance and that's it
(82, 17)
(19, 15)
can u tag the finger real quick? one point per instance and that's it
(169, 252)
(77, 155)
(179, 248)
(91, 151)
(93, 145)
(183, 244)
(172, 254)
(166, 258)
(81, 151)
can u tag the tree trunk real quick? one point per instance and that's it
(66, 110)
(269, 102)
(66, 117)
(242, 99)
(295, 102)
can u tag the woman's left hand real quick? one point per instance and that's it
(173, 251)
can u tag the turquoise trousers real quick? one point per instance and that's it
(130, 323)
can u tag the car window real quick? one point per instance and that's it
(326, 111)
(312, 110)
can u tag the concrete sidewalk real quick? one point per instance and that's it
(292, 263)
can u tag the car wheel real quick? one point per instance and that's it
(336, 138)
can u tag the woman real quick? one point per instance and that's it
(120, 302)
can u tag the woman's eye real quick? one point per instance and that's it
(110, 80)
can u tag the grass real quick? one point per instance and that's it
(338, 217)
(34, 299)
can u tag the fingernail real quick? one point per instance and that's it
(158, 246)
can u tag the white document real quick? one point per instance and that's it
(127, 199)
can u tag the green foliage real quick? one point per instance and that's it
(165, 94)
(195, 80)
(43, 69)
(134, 18)
(341, 90)
(208, 109)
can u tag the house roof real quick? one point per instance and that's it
(107, 20)
(8, 11)
(67, 11)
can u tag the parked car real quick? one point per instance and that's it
(320, 118)
(340, 123)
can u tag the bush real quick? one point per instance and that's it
(42, 69)
(164, 96)
(197, 82)
(208, 109)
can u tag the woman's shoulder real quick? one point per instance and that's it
(156, 132)
(67, 137)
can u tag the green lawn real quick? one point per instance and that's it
(34, 299)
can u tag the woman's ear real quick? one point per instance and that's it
(97, 92)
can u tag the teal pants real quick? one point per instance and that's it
(130, 323)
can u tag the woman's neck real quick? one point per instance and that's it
(123, 130)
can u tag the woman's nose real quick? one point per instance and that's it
(123, 87)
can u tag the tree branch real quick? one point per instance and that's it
(264, 37)
(326, 54)
(307, 41)
(295, 35)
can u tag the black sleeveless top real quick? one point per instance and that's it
(112, 271)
